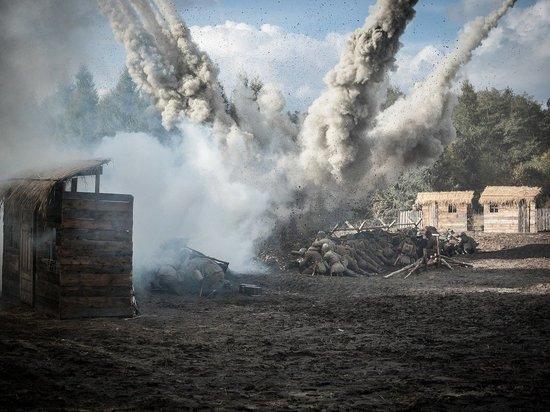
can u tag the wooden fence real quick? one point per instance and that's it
(543, 220)
(409, 218)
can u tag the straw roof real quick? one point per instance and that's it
(32, 189)
(444, 198)
(508, 194)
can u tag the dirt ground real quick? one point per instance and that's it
(469, 338)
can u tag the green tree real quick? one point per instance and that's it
(499, 133)
(124, 109)
(82, 111)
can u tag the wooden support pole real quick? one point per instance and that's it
(74, 184)
(97, 181)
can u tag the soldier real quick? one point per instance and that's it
(466, 244)
(428, 243)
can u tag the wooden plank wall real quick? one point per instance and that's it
(457, 221)
(26, 257)
(429, 215)
(543, 220)
(10, 261)
(503, 221)
(94, 247)
(46, 287)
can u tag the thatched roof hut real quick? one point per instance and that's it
(67, 251)
(445, 198)
(32, 189)
(445, 210)
(509, 195)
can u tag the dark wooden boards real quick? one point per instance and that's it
(94, 253)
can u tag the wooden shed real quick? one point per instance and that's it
(509, 209)
(446, 210)
(66, 251)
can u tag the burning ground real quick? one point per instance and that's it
(447, 339)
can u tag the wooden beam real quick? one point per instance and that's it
(97, 180)
(74, 184)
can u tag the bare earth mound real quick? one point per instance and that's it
(465, 338)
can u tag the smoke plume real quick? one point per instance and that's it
(354, 93)
(415, 129)
(165, 63)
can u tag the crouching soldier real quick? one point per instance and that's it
(428, 243)
(466, 244)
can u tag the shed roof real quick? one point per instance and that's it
(508, 194)
(457, 197)
(32, 189)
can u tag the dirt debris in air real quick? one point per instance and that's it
(464, 338)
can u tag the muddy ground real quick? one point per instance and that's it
(470, 338)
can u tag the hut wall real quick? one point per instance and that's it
(457, 221)
(46, 287)
(429, 215)
(506, 220)
(10, 261)
(94, 248)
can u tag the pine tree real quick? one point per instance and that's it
(82, 112)
(124, 109)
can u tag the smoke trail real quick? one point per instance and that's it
(415, 129)
(165, 63)
(355, 89)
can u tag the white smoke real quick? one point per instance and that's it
(165, 63)
(184, 191)
(224, 195)
(344, 142)
(415, 129)
(354, 93)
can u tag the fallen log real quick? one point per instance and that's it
(458, 262)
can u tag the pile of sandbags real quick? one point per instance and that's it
(363, 253)
(188, 270)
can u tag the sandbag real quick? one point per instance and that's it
(337, 269)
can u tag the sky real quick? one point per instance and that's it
(292, 43)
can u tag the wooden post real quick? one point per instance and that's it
(97, 181)
(74, 184)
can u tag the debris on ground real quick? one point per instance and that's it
(249, 289)
(437, 251)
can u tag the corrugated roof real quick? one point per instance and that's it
(508, 194)
(457, 197)
(32, 189)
